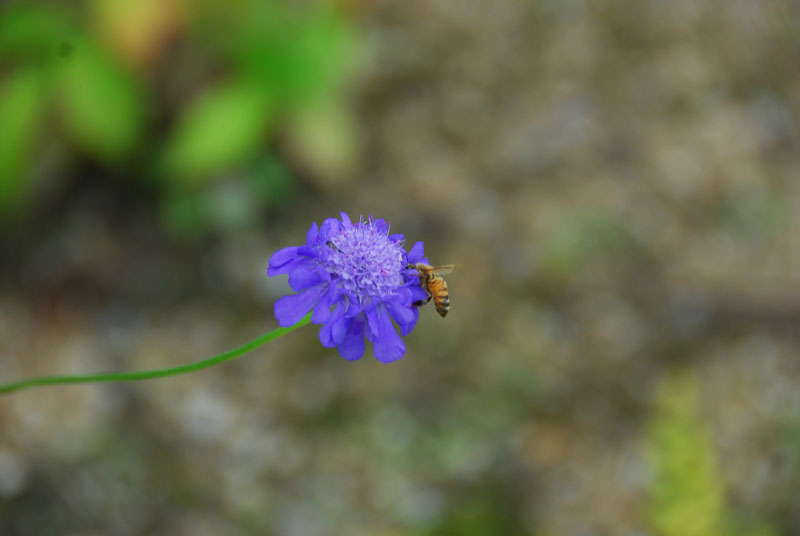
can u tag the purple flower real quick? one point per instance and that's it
(355, 278)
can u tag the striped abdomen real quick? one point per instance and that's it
(437, 287)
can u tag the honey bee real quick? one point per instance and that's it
(430, 277)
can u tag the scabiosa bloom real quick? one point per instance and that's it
(355, 278)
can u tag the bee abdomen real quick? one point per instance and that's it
(443, 307)
(441, 298)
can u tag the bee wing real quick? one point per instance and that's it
(443, 270)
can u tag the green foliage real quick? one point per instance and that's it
(290, 64)
(21, 100)
(687, 497)
(230, 205)
(31, 33)
(217, 130)
(102, 106)
(295, 55)
(251, 68)
(483, 511)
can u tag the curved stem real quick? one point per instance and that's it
(156, 373)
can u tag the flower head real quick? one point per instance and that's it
(354, 277)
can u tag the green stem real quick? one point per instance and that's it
(157, 373)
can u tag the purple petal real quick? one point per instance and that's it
(346, 220)
(306, 251)
(311, 236)
(325, 336)
(372, 323)
(290, 309)
(416, 253)
(381, 226)
(352, 345)
(280, 258)
(329, 228)
(418, 293)
(353, 309)
(338, 292)
(304, 277)
(288, 267)
(325, 333)
(403, 294)
(322, 311)
(396, 238)
(388, 345)
(415, 312)
(406, 317)
(339, 329)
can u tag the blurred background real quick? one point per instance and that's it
(617, 182)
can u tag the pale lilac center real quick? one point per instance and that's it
(368, 264)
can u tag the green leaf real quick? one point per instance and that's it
(22, 99)
(217, 130)
(296, 55)
(29, 31)
(686, 494)
(102, 104)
